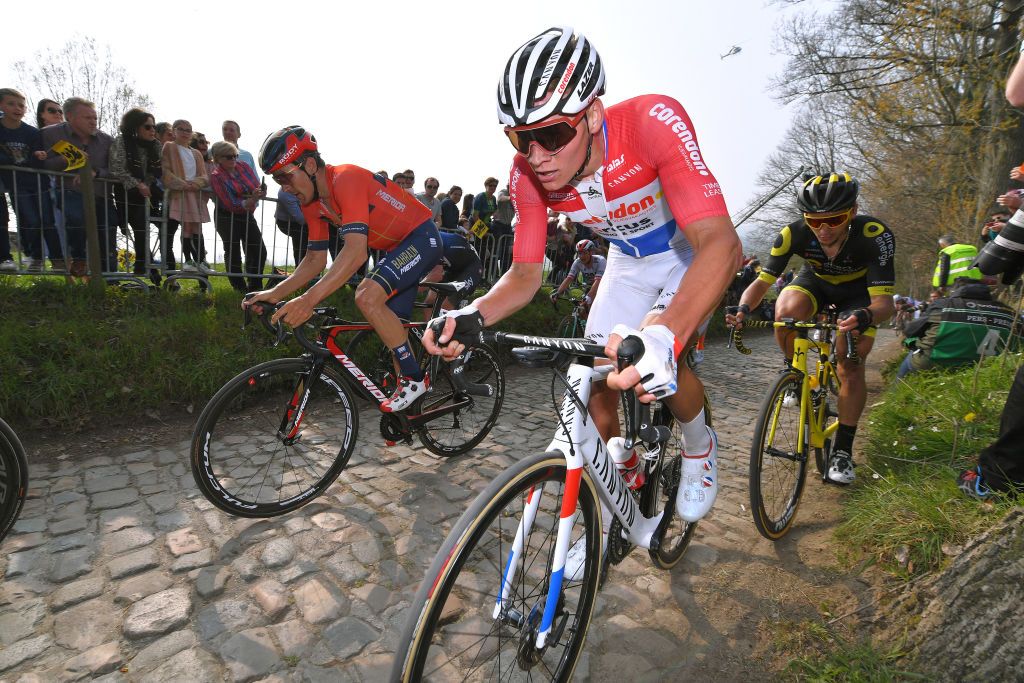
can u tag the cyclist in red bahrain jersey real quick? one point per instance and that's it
(634, 174)
(374, 213)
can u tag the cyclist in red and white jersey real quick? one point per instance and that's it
(374, 213)
(634, 174)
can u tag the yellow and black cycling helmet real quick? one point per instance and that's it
(828, 193)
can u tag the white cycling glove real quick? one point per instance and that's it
(658, 367)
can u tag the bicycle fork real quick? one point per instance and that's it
(288, 432)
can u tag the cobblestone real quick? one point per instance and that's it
(118, 561)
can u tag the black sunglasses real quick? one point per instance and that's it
(53, 110)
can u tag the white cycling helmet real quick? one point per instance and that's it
(556, 72)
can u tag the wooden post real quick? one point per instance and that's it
(92, 235)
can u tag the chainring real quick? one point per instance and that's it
(393, 428)
(618, 547)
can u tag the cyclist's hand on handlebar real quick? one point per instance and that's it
(655, 374)
(734, 315)
(251, 298)
(553, 296)
(295, 312)
(448, 335)
(856, 320)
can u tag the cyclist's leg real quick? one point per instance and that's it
(853, 391)
(698, 486)
(799, 300)
(624, 297)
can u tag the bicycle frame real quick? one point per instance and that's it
(577, 439)
(813, 430)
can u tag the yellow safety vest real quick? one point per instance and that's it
(960, 258)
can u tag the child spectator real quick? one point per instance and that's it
(185, 176)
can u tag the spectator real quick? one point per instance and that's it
(231, 131)
(238, 192)
(202, 145)
(48, 113)
(135, 161)
(954, 262)
(411, 177)
(185, 176)
(429, 198)
(164, 133)
(1000, 467)
(1011, 199)
(81, 130)
(997, 220)
(953, 331)
(467, 206)
(21, 145)
(501, 228)
(485, 203)
(402, 180)
(450, 210)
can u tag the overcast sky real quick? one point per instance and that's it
(395, 85)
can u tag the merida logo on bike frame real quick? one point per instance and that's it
(363, 379)
(668, 116)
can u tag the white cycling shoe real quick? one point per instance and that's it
(698, 484)
(406, 394)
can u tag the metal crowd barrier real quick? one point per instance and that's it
(59, 230)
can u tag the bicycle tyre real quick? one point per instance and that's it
(570, 327)
(236, 440)
(13, 478)
(679, 533)
(461, 431)
(453, 599)
(777, 477)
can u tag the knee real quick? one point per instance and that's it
(368, 297)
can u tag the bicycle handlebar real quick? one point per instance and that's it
(736, 334)
(278, 330)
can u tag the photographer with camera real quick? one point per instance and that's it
(1000, 466)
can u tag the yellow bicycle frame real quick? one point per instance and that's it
(812, 427)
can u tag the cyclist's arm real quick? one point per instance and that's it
(1015, 84)
(352, 255)
(717, 251)
(566, 284)
(881, 275)
(754, 293)
(593, 288)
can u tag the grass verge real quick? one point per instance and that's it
(905, 512)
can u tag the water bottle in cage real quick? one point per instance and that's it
(629, 463)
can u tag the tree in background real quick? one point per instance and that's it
(913, 96)
(78, 69)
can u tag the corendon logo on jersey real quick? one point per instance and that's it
(625, 210)
(565, 78)
(668, 116)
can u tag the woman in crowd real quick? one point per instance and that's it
(238, 192)
(48, 113)
(135, 161)
(184, 176)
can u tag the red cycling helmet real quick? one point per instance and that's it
(290, 145)
(584, 245)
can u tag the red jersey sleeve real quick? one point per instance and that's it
(665, 136)
(532, 225)
(318, 234)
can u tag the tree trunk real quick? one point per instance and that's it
(965, 624)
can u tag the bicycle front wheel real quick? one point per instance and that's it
(570, 327)
(778, 466)
(273, 438)
(13, 478)
(459, 630)
(466, 417)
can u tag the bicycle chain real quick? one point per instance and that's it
(618, 547)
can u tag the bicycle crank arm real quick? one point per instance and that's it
(417, 421)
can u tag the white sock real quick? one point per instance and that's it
(696, 439)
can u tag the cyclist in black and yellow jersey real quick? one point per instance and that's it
(850, 264)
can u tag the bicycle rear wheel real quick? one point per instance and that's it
(452, 632)
(249, 460)
(777, 468)
(13, 478)
(460, 430)
(679, 532)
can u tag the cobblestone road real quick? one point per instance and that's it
(119, 570)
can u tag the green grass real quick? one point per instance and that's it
(905, 507)
(853, 663)
(70, 359)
